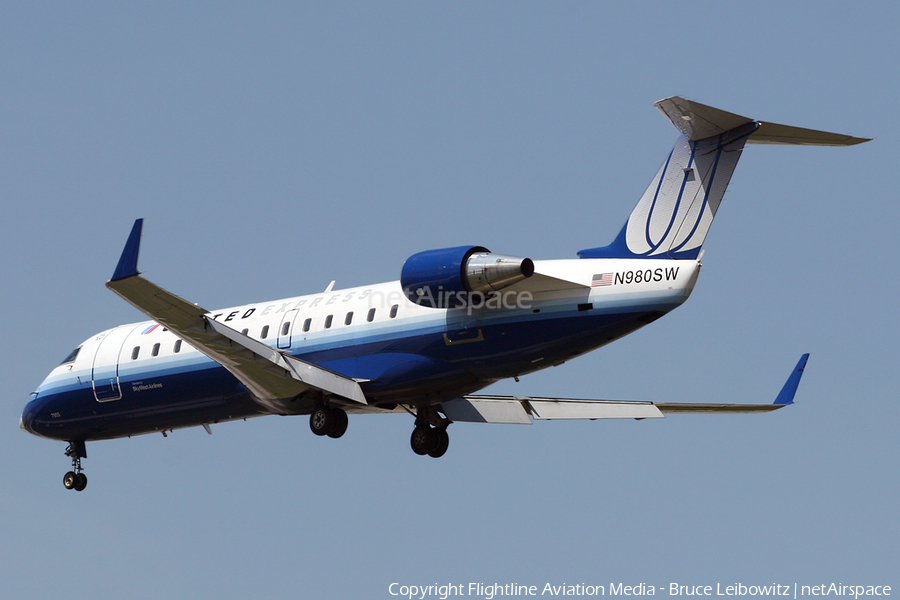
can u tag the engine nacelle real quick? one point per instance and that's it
(446, 278)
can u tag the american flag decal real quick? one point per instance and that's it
(602, 280)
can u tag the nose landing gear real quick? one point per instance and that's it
(75, 479)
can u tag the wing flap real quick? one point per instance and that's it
(494, 409)
(515, 409)
(549, 408)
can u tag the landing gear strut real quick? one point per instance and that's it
(328, 421)
(75, 479)
(429, 440)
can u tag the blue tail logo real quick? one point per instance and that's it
(673, 216)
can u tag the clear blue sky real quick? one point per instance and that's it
(274, 148)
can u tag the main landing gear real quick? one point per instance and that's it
(75, 479)
(328, 421)
(429, 440)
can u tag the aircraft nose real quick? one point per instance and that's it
(27, 417)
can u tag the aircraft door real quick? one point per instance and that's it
(285, 328)
(105, 371)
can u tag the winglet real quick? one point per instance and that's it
(127, 266)
(786, 396)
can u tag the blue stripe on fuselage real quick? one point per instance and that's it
(423, 360)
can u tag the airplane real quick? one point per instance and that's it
(458, 320)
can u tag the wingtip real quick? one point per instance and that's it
(127, 266)
(786, 396)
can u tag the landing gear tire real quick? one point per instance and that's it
(75, 481)
(321, 420)
(424, 439)
(328, 421)
(443, 442)
(339, 423)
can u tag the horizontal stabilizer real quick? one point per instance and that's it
(699, 121)
(773, 133)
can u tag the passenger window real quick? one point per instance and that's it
(177, 346)
(244, 331)
(285, 328)
(265, 333)
(135, 352)
(328, 321)
(155, 351)
(394, 310)
(371, 316)
(349, 318)
(306, 325)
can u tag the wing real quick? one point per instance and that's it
(271, 376)
(518, 409)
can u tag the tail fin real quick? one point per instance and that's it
(673, 216)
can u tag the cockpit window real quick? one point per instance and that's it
(71, 356)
